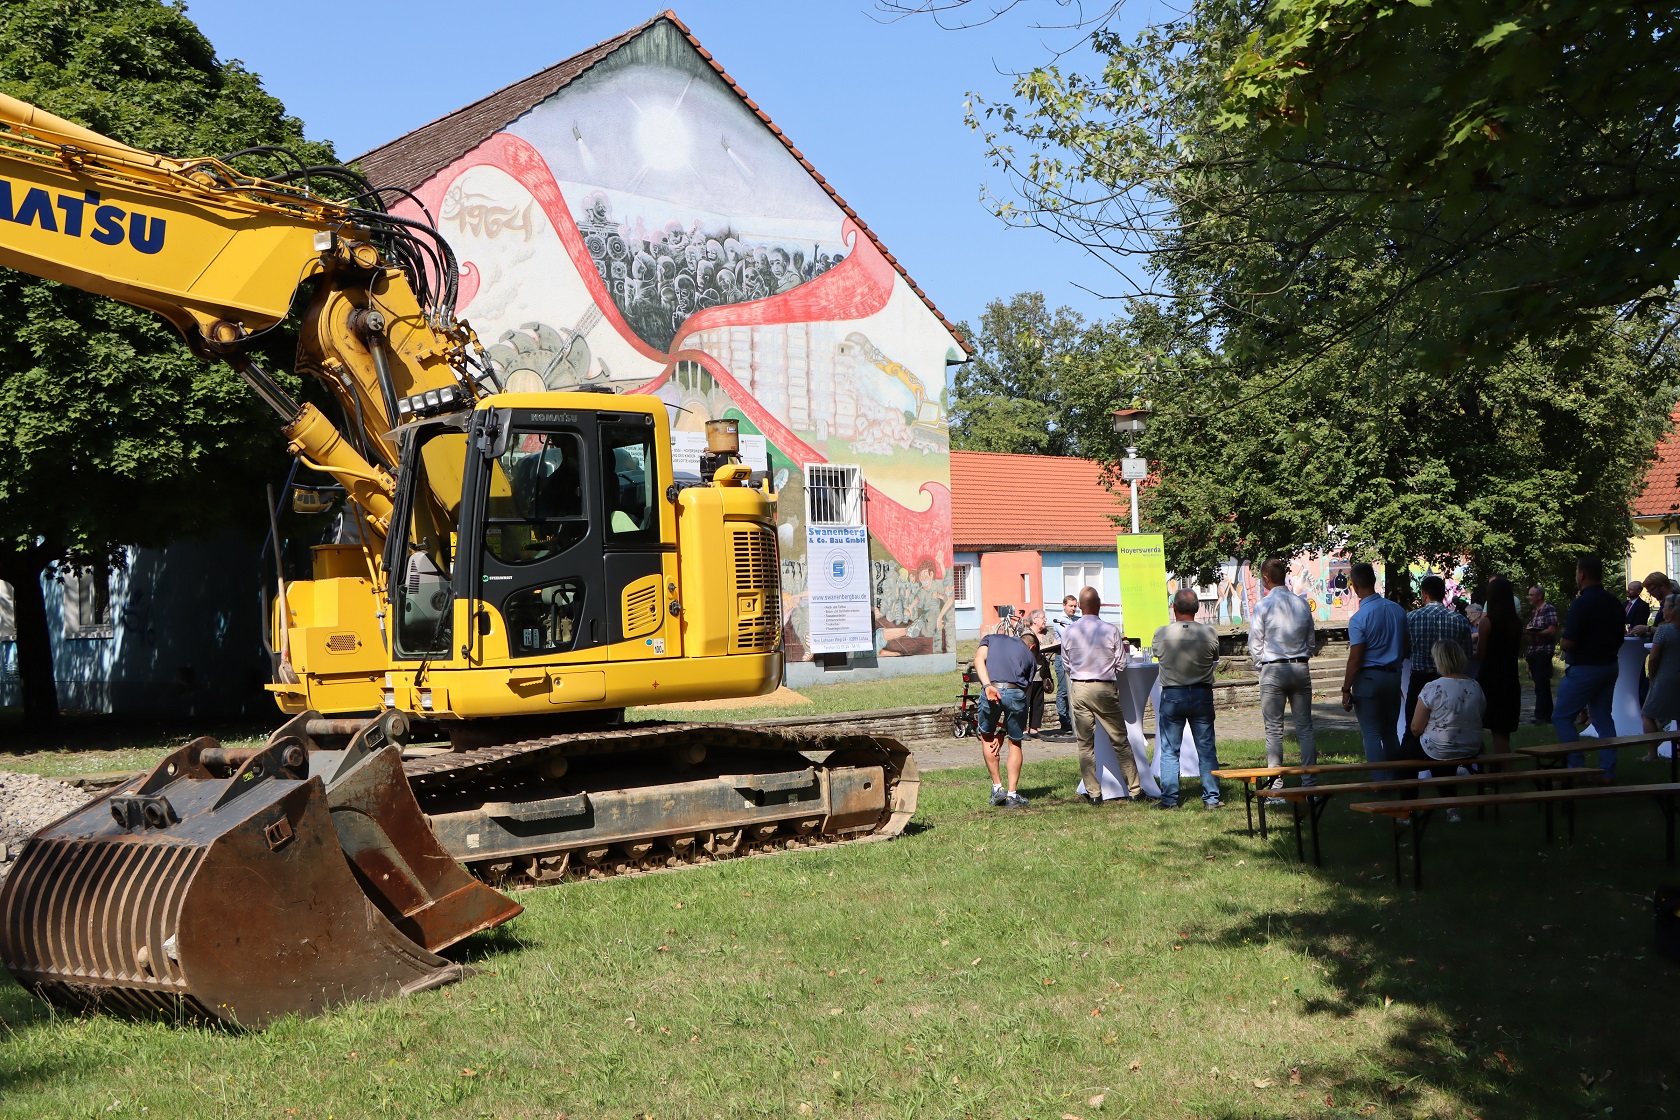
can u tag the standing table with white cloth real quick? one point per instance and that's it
(1624, 706)
(1141, 683)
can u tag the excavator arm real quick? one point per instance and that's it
(222, 255)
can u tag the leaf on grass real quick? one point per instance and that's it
(1388, 1001)
(1136, 1065)
(1097, 1101)
(1294, 1076)
(835, 1011)
(1069, 1116)
(1263, 1083)
(1047, 982)
(974, 962)
(469, 1073)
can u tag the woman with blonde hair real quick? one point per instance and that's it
(1448, 719)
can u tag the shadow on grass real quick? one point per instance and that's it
(86, 731)
(1522, 981)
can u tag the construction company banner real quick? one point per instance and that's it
(1143, 584)
(686, 448)
(841, 620)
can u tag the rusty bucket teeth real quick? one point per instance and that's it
(232, 899)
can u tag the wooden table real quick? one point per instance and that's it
(1560, 752)
(1317, 798)
(1252, 776)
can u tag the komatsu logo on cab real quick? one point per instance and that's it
(81, 217)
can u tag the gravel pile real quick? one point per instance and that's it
(28, 803)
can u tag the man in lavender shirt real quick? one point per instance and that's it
(1095, 654)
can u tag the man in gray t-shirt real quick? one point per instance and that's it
(1006, 668)
(1188, 652)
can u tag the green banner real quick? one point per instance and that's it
(1143, 584)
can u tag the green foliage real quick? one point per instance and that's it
(1536, 143)
(1041, 382)
(1338, 364)
(112, 433)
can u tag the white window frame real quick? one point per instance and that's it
(80, 612)
(1084, 568)
(833, 494)
(962, 585)
(1671, 557)
(1027, 603)
(8, 613)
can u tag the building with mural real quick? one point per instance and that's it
(630, 219)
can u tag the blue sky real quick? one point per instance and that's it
(876, 106)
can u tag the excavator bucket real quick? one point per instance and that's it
(244, 885)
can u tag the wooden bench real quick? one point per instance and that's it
(1558, 753)
(1316, 798)
(1252, 776)
(1416, 813)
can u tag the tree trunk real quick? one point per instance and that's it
(22, 569)
(1397, 580)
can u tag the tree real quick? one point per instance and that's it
(1324, 375)
(1536, 144)
(1037, 380)
(111, 433)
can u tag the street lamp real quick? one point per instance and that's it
(1128, 422)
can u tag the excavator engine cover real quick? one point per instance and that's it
(243, 885)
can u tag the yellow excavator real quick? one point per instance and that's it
(521, 567)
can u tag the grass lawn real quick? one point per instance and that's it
(1052, 962)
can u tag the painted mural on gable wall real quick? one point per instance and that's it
(644, 231)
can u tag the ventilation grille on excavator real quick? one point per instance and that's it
(641, 610)
(754, 570)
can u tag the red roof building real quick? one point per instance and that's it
(1655, 546)
(1028, 529)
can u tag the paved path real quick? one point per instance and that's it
(1230, 724)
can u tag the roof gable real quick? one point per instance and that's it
(411, 159)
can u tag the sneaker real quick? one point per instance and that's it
(1015, 801)
(1162, 805)
(998, 796)
(1214, 804)
(1454, 816)
(1087, 799)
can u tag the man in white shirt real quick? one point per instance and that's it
(1281, 638)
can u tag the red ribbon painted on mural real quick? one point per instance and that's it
(857, 287)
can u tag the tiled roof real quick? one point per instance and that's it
(1032, 502)
(1661, 497)
(411, 159)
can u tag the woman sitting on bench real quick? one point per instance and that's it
(1448, 719)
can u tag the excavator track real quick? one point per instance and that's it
(657, 797)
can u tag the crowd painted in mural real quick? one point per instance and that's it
(1321, 580)
(644, 231)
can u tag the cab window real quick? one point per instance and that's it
(536, 509)
(629, 482)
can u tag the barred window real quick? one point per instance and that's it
(833, 495)
(87, 603)
(960, 586)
